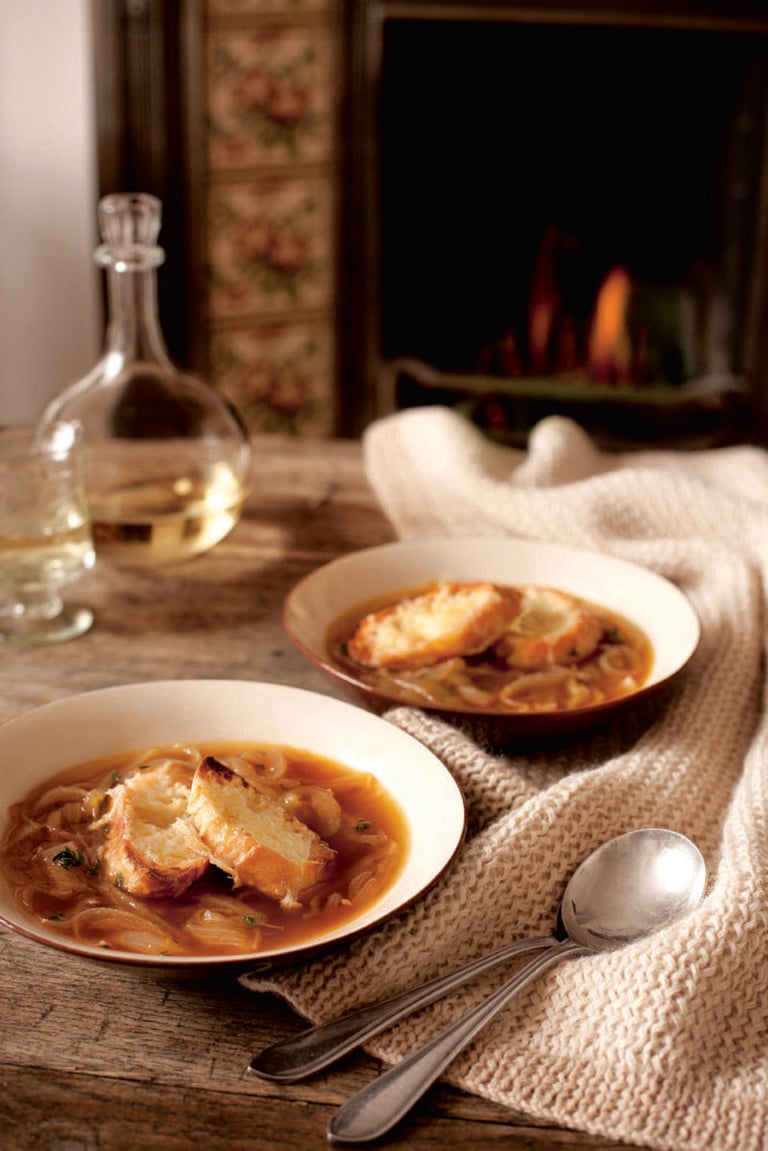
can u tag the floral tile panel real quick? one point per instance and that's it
(280, 377)
(271, 247)
(270, 98)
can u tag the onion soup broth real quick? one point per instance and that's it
(483, 681)
(50, 857)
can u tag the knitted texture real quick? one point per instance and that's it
(663, 1043)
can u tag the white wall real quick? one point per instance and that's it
(50, 312)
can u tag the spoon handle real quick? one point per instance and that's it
(372, 1112)
(312, 1050)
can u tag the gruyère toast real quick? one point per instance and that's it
(456, 619)
(150, 848)
(252, 837)
(552, 627)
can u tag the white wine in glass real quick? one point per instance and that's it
(45, 533)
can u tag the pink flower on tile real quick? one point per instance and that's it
(288, 252)
(289, 392)
(253, 88)
(235, 146)
(288, 102)
(255, 239)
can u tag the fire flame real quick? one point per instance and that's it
(544, 302)
(610, 353)
(542, 322)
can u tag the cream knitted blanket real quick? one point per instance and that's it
(665, 1043)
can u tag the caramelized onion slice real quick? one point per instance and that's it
(224, 931)
(122, 930)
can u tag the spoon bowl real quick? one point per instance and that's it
(627, 889)
(632, 886)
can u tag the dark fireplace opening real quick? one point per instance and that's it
(565, 216)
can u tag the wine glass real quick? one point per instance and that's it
(45, 533)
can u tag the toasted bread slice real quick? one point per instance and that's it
(551, 628)
(456, 619)
(252, 837)
(151, 848)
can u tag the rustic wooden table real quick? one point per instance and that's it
(95, 1057)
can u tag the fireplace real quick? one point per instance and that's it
(553, 210)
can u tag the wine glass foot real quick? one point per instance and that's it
(73, 620)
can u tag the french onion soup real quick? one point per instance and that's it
(219, 850)
(487, 647)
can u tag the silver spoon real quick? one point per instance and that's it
(629, 888)
(316, 1048)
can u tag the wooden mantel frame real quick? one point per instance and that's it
(148, 80)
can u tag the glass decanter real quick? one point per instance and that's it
(167, 458)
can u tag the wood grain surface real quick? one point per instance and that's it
(101, 1057)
